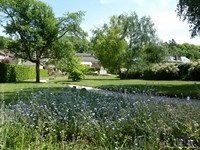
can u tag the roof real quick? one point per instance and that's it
(182, 59)
(87, 57)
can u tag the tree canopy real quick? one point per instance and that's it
(4, 42)
(190, 10)
(35, 29)
(108, 45)
(121, 43)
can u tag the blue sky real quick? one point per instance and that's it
(162, 13)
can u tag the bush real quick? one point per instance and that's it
(131, 75)
(194, 72)
(93, 70)
(168, 71)
(76, 74)
(183, 71)
(7, 73)
(190, 71)
(15, 73)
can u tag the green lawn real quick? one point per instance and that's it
(169, 88)
(8, 91)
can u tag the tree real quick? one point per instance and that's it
(4, 42)
(34, 29)
(139, 33)
(81, 44)
(108, 45)
(173, 48)
(190, 10)
(121, 43)
(155, 53)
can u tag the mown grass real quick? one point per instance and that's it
(10, 91)
(181, 89)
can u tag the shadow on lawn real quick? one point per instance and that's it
(170, 90)
(12, 97)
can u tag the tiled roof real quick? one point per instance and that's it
(86, 57)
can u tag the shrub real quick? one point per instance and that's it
(15, 73)
(76, 74)
(7, 73)
(183, 70)
(93, 70)
(167, 71)
(133, 74)
(194, 72)
(190, 71)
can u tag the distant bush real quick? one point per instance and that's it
(15, 73)
(93, 70)
(131, 75)
(167, 71)
(194, 72)
(190, 71)
(76, 75)
(184, 71)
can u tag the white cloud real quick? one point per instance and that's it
(169, 26)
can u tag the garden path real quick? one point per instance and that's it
(128, 95)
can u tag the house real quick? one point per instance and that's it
(181, 59)
(7, 57)
(88, 59)
(2, 55)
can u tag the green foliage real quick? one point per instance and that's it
(81, 44)
(121, 43)
(190, 51)
(93, 70)
(78, 72)
(76, 75)
(109, 46)
(7, 73)
(155, 53)
(140, 33)
(15, 73)
(132, 74)
(184, 71)
(34, 28)
(4, 42)
(194, 72)
(190, 10)
(167, 71)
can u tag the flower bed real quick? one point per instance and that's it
(79, 119)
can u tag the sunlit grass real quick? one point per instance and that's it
(180, 89)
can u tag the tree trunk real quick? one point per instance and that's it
(37, 71)
(127, 72)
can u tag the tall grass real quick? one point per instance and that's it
(73, 119)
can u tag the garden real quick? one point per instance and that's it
(156, 106)
(53, 116)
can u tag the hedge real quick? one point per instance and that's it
(132, 74)
(168, 71)
(16, 73)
